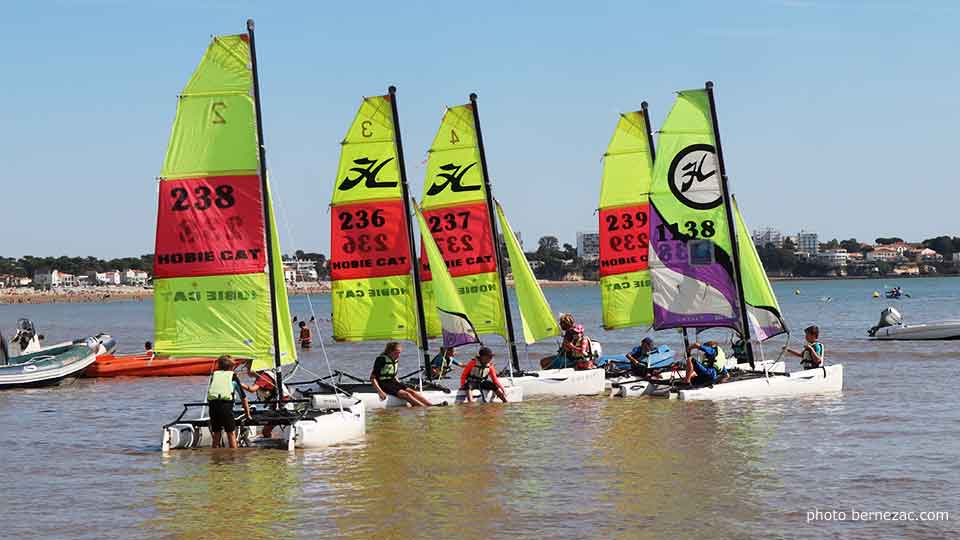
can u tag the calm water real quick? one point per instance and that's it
(83, 460)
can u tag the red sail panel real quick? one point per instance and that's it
(210, 226)
(624, 239)
(369, 240)
(463, 235)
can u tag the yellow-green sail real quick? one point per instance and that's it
(538, 321)
(454, 206)
(372, 290)
(762, 307)
(625, 291)
(455, 325)
(211, 295)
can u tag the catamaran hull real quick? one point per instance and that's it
(325, 430)
(634, 387)
(942, 330)
(436, 397)
(798, 383)
(561, 382)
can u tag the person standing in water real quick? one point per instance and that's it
(811, 356)
(306, 337)
(224, 388)
(384, 377)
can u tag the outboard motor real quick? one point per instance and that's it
(4, 353)
(888, 317)
(25, 334)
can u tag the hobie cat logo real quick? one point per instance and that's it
(453, 177)
(693, 177)
(367, 173)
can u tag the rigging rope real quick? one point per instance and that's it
(313, 315)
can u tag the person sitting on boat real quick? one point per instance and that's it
(442, 363)
(384, 377)
(574, 350)
(480, 374)
(306, 338)
(224, 388)
(638, 356)
(265, 387)
(811, 356)
(713, 368)
(148, 348)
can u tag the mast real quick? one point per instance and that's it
(495, 231)
(653, 157)
(731, 227)
(266, 213)
(421, 318)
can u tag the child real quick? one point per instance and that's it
(711, 370)
(306, 338)
(223, 389)
(442, 363)
(480, 374)
(812, 354)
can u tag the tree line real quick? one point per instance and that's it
(26, 266)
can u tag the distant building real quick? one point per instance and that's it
(10, 280)
(808, 242)
(134, 277)
(768, 235)
(300, 270)
(834, 258)
(884, 254)
(111, 277)
(48, 278)
(588, 245)
(956, 259)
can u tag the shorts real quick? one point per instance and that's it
(221, 416)
(560, 362)
(704, 374)
(392, 386)
(485, 384)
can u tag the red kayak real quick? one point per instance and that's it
(148, 365)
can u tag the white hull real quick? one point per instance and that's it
(798, 383)
(633, 387)
(933, 331)
(561, 382)
(324, 430)
(436, 397)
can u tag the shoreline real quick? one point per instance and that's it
(99, 295)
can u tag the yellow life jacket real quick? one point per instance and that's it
(221, 386)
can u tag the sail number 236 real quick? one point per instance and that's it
(359, 220)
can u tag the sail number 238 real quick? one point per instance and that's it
(203, 198)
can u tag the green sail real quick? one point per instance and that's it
(762, 307)
(372, 289)
(212, 294)
(691, 253)
(456, 326)
(625, 291)
(454, 205)
(538, 320)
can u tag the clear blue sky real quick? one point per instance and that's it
(840, 117)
